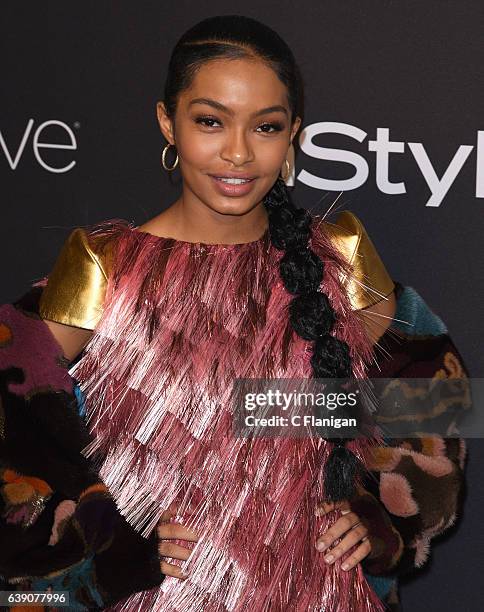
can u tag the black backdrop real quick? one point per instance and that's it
(88, 74)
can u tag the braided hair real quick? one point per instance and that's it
(301, 269)
(313, 318)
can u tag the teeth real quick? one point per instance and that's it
(233, 181)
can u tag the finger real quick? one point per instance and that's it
(342, 525)
(360, 553)
(353, 536)
(172, 570)
(175, 551)
(326, 507)
(176, 531)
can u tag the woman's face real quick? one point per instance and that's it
(233, 122)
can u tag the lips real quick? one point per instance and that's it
(233, 189)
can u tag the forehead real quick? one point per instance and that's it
(242, 85)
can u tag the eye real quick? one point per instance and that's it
(273, 127)
(267, 128)
(206, 121)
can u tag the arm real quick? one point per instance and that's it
(412, 491)
(58, 523)
(72, 340)
(415, 483)
(378, 317)
(71, 301)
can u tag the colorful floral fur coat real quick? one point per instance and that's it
(60, 528)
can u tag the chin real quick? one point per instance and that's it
(232, 206)
(224, 204)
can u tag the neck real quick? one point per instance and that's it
(195, 222)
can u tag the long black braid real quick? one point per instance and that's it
(313, 318)
(311, 314)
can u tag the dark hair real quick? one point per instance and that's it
(311, 314)
(231, 37)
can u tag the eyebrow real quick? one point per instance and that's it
(221, 107)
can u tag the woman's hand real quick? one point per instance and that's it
(350, 529)
(173, 531)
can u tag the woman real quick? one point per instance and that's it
(230, 281)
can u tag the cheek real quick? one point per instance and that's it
(197, 149)
(269, 158)
(273, 154)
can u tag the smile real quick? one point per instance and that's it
(233, 181)
(232, 186)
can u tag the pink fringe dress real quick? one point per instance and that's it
(180, 322)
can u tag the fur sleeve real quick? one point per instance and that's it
(59, 526)
(413, 490)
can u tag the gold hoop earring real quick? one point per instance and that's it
(163, 158)
(285, 176)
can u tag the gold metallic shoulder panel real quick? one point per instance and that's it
(76, 287)
(370, 282)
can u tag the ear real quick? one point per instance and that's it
(295, 127)
(166, 124)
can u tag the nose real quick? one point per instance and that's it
(237, 149)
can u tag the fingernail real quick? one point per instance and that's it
(321, 546)
(345, 566)
(329, 558)
(345, 511)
